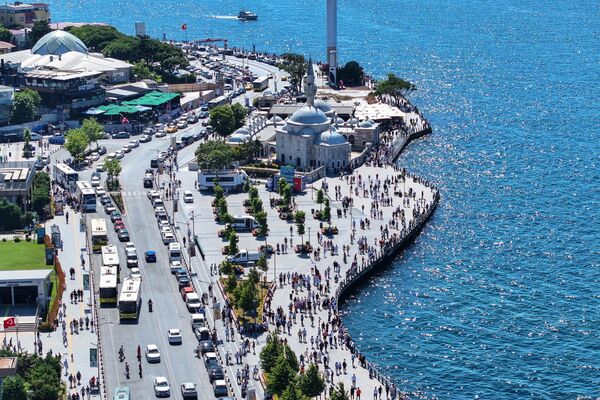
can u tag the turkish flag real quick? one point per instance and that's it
(8, 322)
(184, 27)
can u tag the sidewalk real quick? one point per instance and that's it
(76, 343)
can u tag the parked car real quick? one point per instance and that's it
(101, 150)
(121, 135)
(188, 197)
(145, 138)
(123, 235)
(57, 139)
(189, 391)
(115, 215)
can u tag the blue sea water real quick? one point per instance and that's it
(500, 296)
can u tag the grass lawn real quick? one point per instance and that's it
(22, 255)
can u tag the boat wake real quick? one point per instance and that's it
(223, 17)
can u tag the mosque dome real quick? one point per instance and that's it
(323, 106)
(57, 43)
(353, 121)
(243, 130)
(237, 138)
(339, 121)
(331, 137)
(365, 124)
(307, 115)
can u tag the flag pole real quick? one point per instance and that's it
(18, 344)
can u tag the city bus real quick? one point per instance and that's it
(86, 195)
(122, 393)
(99, 234)
(110, 258)
(130, 299)
(219, 101)
(260, 83)
(108, 285)
(65, 176)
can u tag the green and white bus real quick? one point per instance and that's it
(130, 299)
(99, 234)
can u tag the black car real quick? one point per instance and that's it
(214, 370)
(123, 235)
(154, 163)
(183, 280)
(101, 150)
(105, 199)
(121, 135)
(206, 346)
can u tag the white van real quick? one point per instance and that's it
(244, 223)
(244, 257)
(198, 320)
(228, 179)
(192, 302)
(174, 252)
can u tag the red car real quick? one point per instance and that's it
(119, 225)
(185, 290)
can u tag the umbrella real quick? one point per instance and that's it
(94, 111)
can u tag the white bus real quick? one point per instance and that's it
(130, 298)
(99, 234)
(86, 195)
(65, 176)
(110, 258)
(260, 83)
(108, 285)
(228, 179)
(219, 101)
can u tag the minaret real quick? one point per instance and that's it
(310, 89)
(332, 40)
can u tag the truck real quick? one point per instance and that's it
(228, 179)
(244, 257)
(244, 223)
(192, 302)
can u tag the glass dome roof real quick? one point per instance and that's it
(58, 42)
(306, 115)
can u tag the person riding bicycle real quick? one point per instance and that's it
(121, 353)
(150, 305)
(139, 352)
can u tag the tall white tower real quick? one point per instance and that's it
(332, 40)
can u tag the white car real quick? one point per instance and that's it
(168, 237)
(188, 197)
(95, 181)
(100, 191)
(95, 156)
(160, 133)
(163, 224)
(126, 149)
(188, 390)
(152, 353)
(119, 154)
(161, 387)
(175, 265)
(134, 143)
(158, 210)
(182, 125)
(135, 273)
(111, 155)
(100, 167)
(130, 246)
(174, 336)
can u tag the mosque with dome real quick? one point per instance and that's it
(309, 138)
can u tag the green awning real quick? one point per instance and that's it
(154, 98)
(114, 109)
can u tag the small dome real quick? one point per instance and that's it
(57, 43)
(365, 124)
(331, 137)
(353, 121)
(323, 106)
(339, 121)
(236, 139)
(307, 115)
(243, 130)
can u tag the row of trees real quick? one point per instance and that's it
(78, 139)
(281, 366)
(216, 154)
(152, 58)
(37, 378)
(40, 194)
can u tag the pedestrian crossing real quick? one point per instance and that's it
(134, 193)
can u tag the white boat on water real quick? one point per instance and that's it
(247, 16)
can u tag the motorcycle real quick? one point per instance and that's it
(149, 305)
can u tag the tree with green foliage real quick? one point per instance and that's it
(285, 191)
(215, 154)
(248, 150)
(113, 170)
(40, 194)
(39, 29)
(223, 211)
(300, 218)
(219, 192)
(320, 196)
(253, 192)
(262, 263)
(231, 282)
(26, 143)
(327, 211)
(339, 393)
(25, 106)
(92, 129)
(124, 48)
(295, 65)
(253, 276)
(394, 86)
(246, 297)
(239, 115)
(292, 392)
(311, 383)
(222, 120)
(14, 388)
(5, 34)
(352, 74)
(44, 380)
(11, 216)
(270, 352)
(261, 219)
(281, 376)
(96, 37)
(141, 70)
(76, 143)
(233, 244)
(257, 205)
